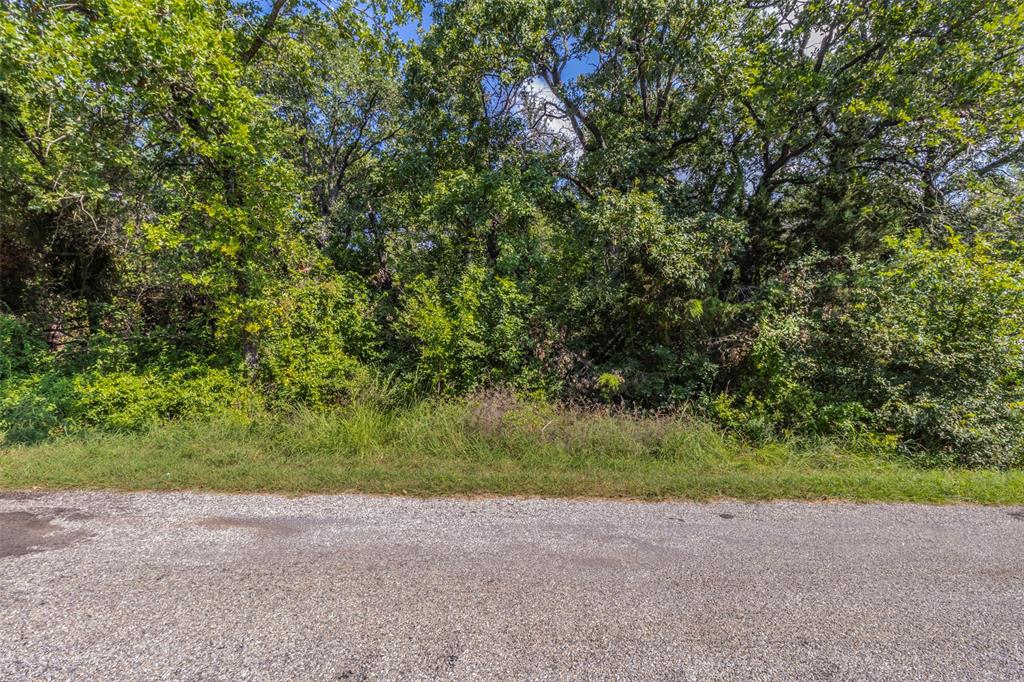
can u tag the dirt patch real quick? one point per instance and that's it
(24, 532)
(278, 527)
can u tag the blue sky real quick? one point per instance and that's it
(409, 30)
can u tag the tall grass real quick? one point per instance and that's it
(491, 444)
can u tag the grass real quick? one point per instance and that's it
(485, 447)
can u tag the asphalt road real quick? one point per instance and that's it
(187, 586)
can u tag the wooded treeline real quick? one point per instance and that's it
(794, 216)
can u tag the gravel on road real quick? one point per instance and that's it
(185, 586)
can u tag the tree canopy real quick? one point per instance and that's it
(793, 215)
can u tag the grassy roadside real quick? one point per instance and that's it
(489, 448)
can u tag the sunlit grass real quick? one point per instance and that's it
(485, 447)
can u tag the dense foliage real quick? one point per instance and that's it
(795, 216)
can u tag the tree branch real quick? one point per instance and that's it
(260, 39)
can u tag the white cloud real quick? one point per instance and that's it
(546, 116)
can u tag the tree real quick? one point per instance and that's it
(133, 144)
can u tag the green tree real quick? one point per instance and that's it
(132, 144)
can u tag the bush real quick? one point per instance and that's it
(943, 339)
(313, 351)
(34, 407)
(472, 336)
(50, 403)
(19, 351)
(316, 348)
(923, 348)
(637, 283)
(123, 401)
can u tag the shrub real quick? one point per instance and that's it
(471, 336)
(34, 407)
(637, 282)
(51, 403)
(316, 347)
(123, 401)
(924, 348)
(19, 351)
(942, 334)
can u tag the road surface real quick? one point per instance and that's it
(183, 586)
